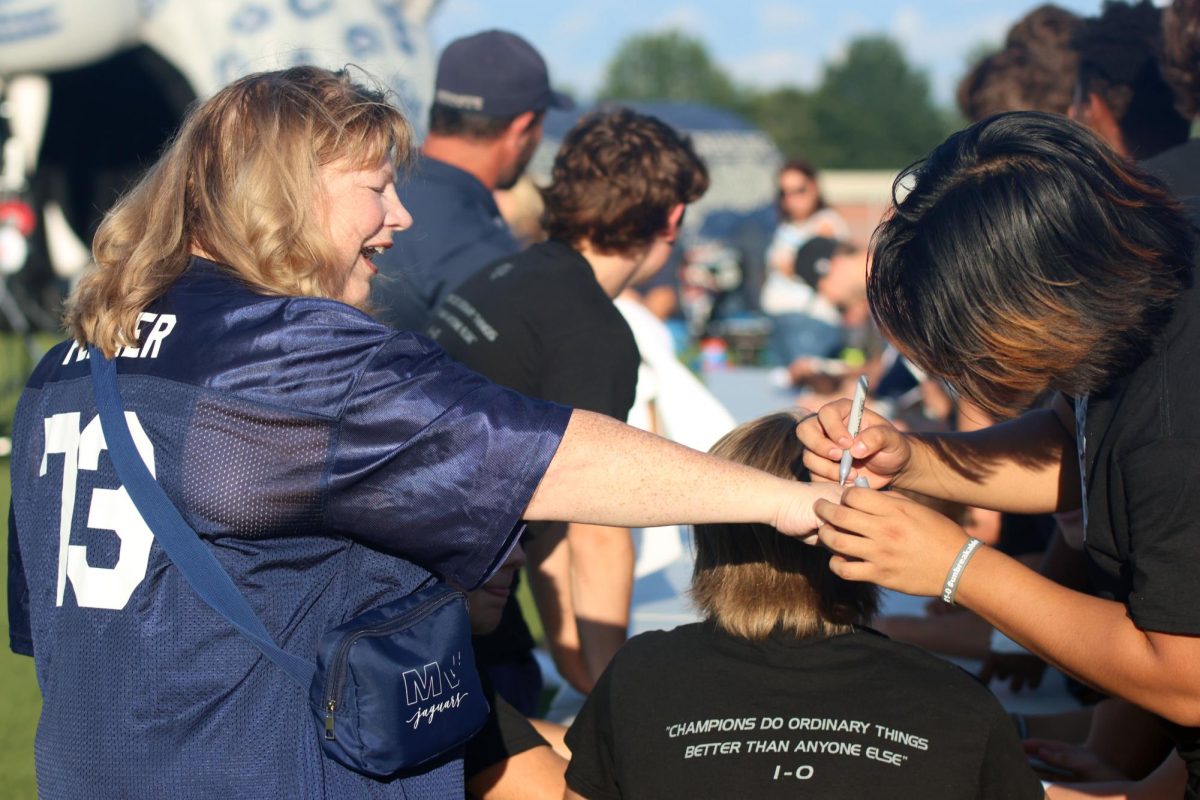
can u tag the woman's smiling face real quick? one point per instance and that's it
(360, 213)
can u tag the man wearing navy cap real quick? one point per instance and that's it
(490, 97)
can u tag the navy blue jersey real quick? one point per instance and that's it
(329, 462)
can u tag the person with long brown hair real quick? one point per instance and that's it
(1029, 256)
(331, 464)
(782, 690)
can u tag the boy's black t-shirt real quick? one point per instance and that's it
(697, 713)
(540, 323)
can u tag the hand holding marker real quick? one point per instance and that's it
(856, 412)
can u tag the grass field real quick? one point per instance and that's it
(19, 695)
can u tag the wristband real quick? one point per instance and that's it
(950, 587)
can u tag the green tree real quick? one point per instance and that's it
(667, 66)
(785, 114)
(873, 110)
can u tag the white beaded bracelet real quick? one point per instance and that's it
(950, 587)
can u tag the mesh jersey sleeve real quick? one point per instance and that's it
(20, 636)
(592, 771)
(1161, 508)
(436, 464)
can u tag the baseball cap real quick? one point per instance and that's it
(495, 73)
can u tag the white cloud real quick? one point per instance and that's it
(686, 18)
(939, 47)
(466, 12)
(575, 23)
(927, 40)
(775, 18)
(769, 68)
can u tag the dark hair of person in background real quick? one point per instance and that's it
(1046, 31)
(449, 121)
(805, 168)
(1119, 60)
(1034, 72)
(751, 580)
(1181, 54)
(990, 214)
(616, 178)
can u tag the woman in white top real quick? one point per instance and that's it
(806, 324)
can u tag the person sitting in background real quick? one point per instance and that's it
(805, 323)
(781, 689)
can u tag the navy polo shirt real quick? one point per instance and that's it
(457, 230)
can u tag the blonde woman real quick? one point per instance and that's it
(329, 462)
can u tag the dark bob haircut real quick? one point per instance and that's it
(1027, 256)
(616, 178)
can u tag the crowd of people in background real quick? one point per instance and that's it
(358, 366)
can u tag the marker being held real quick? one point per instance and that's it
(856, 412)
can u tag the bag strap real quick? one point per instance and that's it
(182, 544)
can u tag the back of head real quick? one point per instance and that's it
(1181, 54)
(1000, 82)
(1027, 255)
(1120, 55)
(1034, 72)
(616, 178)
(1045, 31)
(239, 183)
(752, 580)
(485, 81)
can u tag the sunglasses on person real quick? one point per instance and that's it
(794, 191)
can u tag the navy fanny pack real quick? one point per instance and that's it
(392, 688)
(396, 686)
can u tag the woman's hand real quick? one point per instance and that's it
(881, 452)
(890, 540)
(797, 516)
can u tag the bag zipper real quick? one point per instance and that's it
(333, 682)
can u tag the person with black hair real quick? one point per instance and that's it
(1029, 256)
(1121, 93)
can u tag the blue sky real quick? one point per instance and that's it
(759, 42)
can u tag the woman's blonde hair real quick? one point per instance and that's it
(752, 580)
(239, 184)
